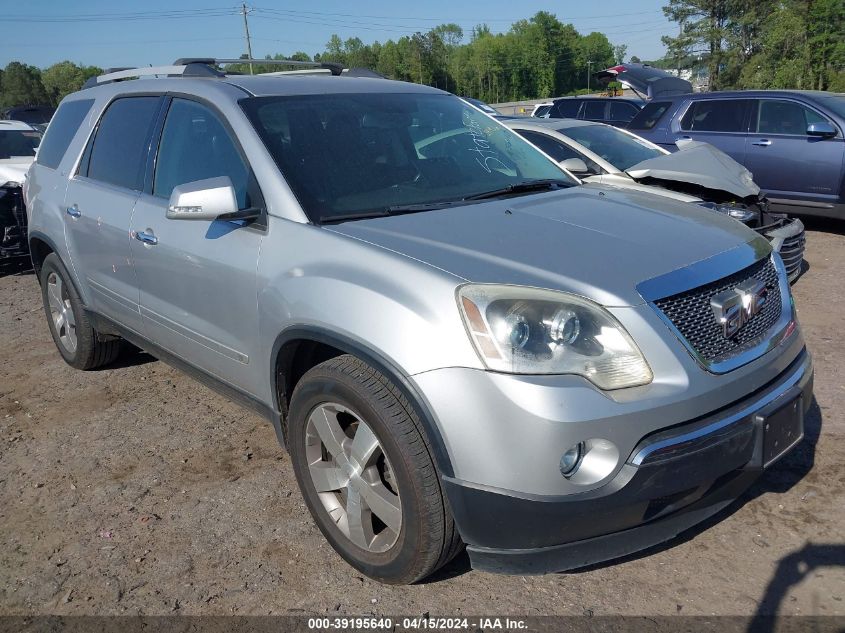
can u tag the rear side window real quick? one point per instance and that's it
(785, 117)
(568, 108)
(554, 148)
(119, 151)
(725, 115)
(62, 129)
(195, 145)
(594, 110)
(648, 117)
(621, 111)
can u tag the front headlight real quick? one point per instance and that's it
(522, 330)
(742, 214)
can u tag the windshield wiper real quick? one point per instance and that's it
(547, 184)
(398, 209)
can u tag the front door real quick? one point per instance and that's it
(99, 203)
(790, 166)
(198, 278)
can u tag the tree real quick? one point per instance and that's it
(703, 23)
(21, 85)
(59, 80)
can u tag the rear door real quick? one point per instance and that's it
(99, 202)
(621, 113)
(565, 109)
(197, 277)
(787, 163)
(594, 110)
(720, 122)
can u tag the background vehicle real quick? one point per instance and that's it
(38, 116)
(18, 143)
(616, 111)
(791, 140)
(541, 109)
(455, 342)
(617, 157)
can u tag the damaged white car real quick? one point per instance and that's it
(18, 144)
(698, 173)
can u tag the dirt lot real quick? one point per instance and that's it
(134, 490)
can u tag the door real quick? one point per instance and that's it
(621, 113)
(594, 110)
(788, 164)
(720, 122)
(197, 278)
(98, 208)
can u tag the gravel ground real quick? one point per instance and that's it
(135, 490)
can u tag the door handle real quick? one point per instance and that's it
(146, 238)
(73, 211)
(763, 142)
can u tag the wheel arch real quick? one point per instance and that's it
(39, 247)
(299, 348)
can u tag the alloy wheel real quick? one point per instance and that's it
(61, 312)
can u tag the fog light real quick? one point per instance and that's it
(570, 459)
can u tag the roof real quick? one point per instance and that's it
(809, 94)
(601, 98)
(16, 126)
(553, 124)
(300, 84)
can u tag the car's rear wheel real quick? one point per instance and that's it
(366, 472)
(74, 336)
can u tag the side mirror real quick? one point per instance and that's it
(576, 166)
(207, 199)
(822, 129)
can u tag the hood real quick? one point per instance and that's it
(699, 164)
(14, 169)
(592, 241)
(647, 81)
(626, 182)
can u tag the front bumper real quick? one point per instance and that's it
(13, 223)
(672, 480)
(787, 238)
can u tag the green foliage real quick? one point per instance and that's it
(21, 85)
(761, 43)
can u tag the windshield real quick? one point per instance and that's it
(617, 148)
(18, 143)
(349, 154)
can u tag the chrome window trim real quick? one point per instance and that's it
(710, 270)
(739, 416)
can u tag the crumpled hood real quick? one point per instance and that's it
(14, 169)
(592, 241)
(700, 164)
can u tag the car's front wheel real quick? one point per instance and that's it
(366, 472)
(77, 340)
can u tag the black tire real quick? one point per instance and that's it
(427, 539)
(91, 350)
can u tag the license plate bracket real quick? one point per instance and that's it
(782, 423)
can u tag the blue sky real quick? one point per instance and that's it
(110, 33)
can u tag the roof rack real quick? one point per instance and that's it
(200, 67)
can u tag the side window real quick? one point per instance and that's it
(648, 117)
(195, 145)
(594, 110)
(712, 115)
(621, 111)
(119, 150)
(568, 108)
(61, 131)
(785, 117)
(554, 148)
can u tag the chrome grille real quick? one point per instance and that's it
(792, 253)
(691, 314)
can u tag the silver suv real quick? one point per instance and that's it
(455, 342)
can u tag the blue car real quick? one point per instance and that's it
(791, 140)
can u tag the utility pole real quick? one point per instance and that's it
(244, 11)
(589, 65)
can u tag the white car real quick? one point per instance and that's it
(541, 110)
(18, 144)
(698, 173)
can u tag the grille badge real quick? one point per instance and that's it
(735, 307)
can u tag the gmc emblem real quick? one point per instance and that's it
(734, 308)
